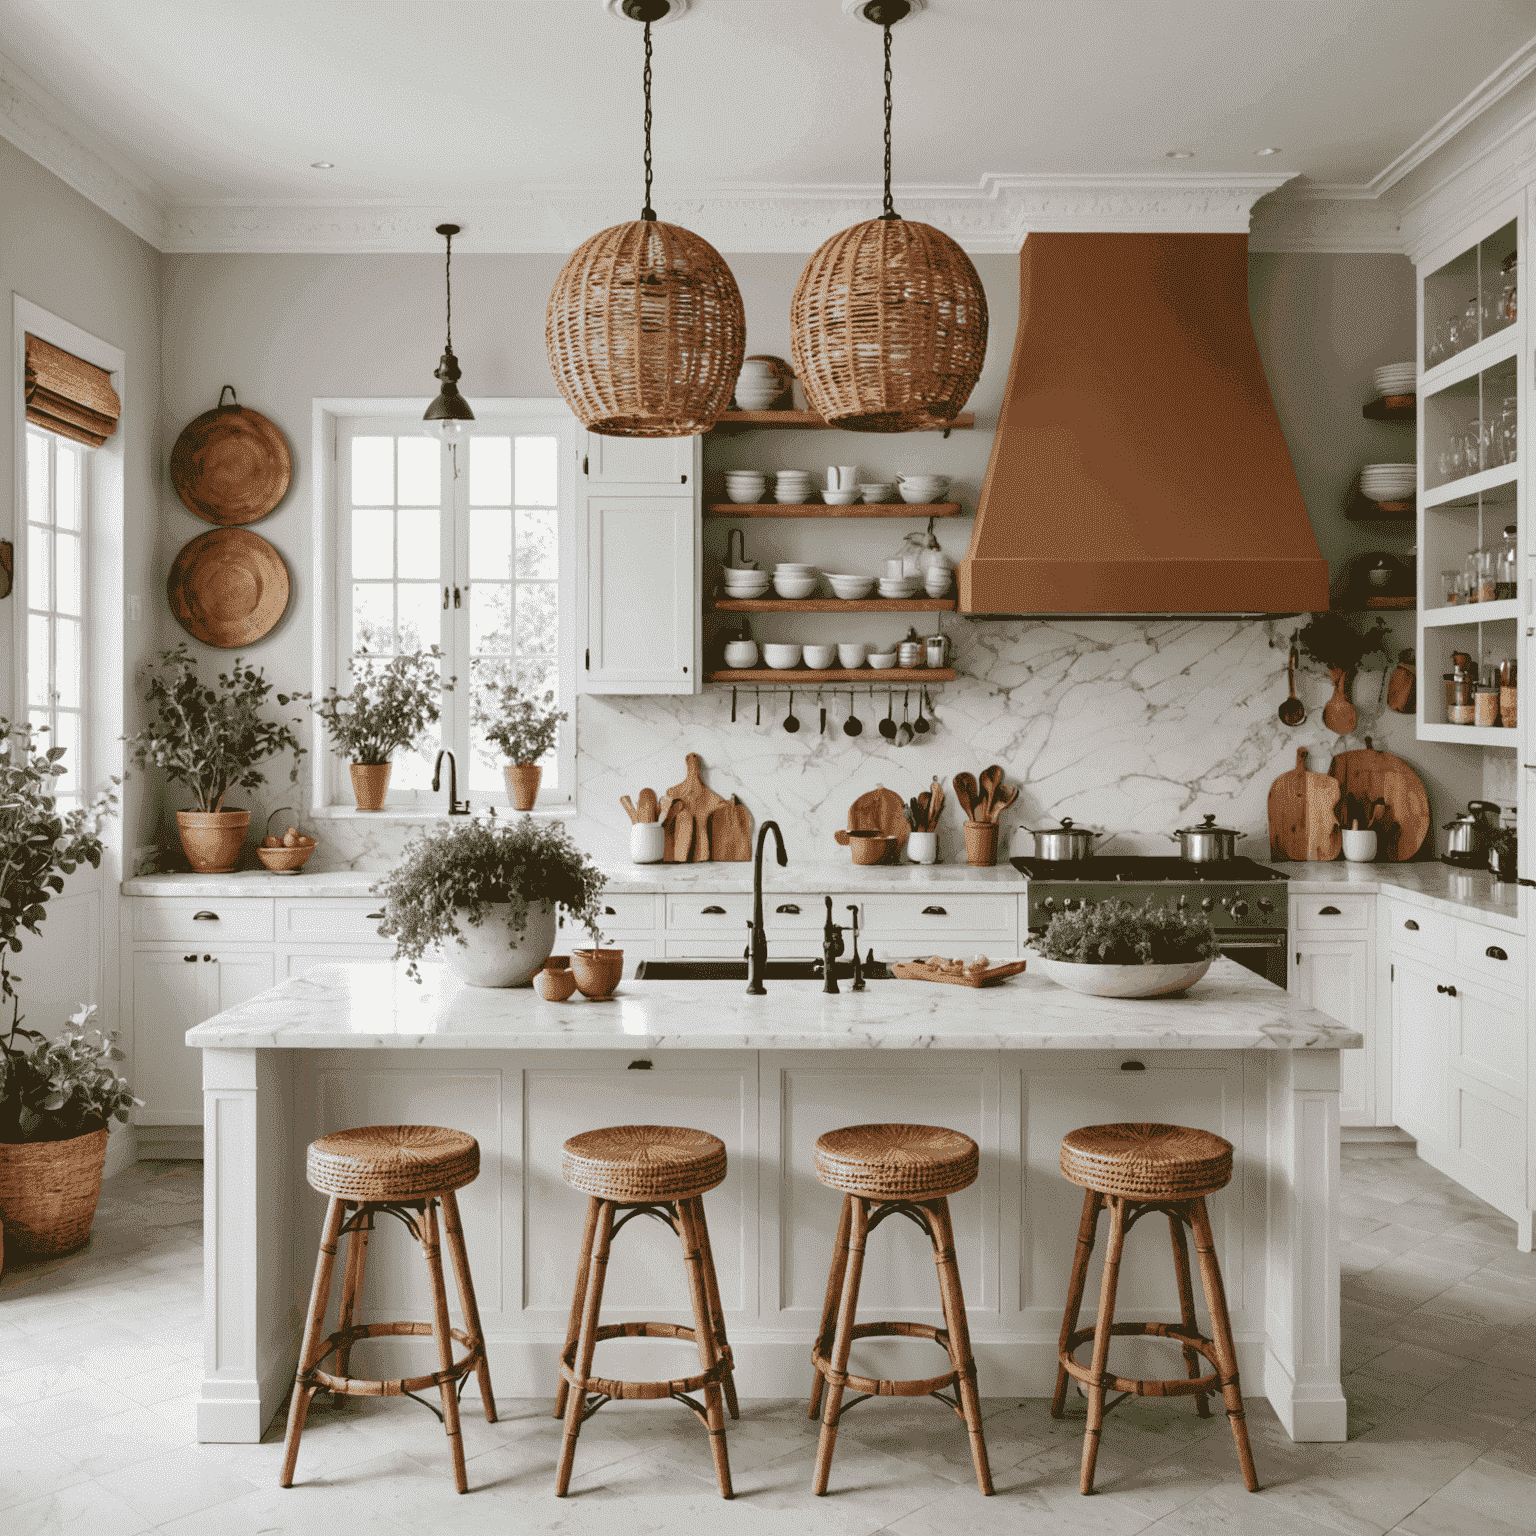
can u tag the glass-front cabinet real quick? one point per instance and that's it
(1473, 554)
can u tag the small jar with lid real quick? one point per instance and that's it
(1470, 327)
(1485, 699)
(1506, 565)
(1504, 435)
(1509, 693)
(1460, 698)
(1480, 584)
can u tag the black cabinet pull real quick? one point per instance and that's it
(789, 909)
(609, 912)
(373, 917)
(712, 911)
(189, 958)
(1329, 912)
(640, 1066)
(1448, 991)
(207, 957)
(934, 912)
(1495, 953)
(1411, 926)
(205, 917)
(1133, 1066)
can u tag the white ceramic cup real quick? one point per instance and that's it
(923, 847)
(895, 568)
(741, 653)
(852, 656)
(1359, 846)
(647, 842)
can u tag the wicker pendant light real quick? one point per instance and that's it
(645, 329)
(888, 325)
(450, 408)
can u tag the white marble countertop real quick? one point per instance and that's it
(1458, 892)
(377, 1007)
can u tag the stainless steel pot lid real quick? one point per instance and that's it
(1067, 825)
(1209, 825)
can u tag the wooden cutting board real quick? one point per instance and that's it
(1303, 814)
(1369, 775)
(678, 847)
(881, 810)
(730, 833)
(923, 970)
(700, 801)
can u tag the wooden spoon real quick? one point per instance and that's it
(965, 793)
(1004, 797)
(629, 807)
(991, 781)
(1339, 715)
(1292, 711)
(646, 805)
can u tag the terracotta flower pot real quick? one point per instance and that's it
(370, 783)
(522, 784)
(213, 840)
(981, 842)
(49, 1190)
(597, 971)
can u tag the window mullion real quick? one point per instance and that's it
(457, 645)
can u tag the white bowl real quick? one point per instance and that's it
(853, 589)
(873, 493)
(926, 482)
(741, 653)
(747, 495)
(792, 498)
(794, 587)
(794, 565)
(746, 594)
(781, 657)
(899, 589)
(819, 657)
(746, 578)
(852, 656)
(884, 660)
(839, 498)
(756, 399)
(746, 474)
(1123, 980)
(914, 495)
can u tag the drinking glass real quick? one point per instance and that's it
(1451, 584)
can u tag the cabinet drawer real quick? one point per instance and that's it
(1495, 956)
(791, 947)
(941, 916)
(997, 947)
(205, 920)
(628, 914)
(1328, 914)
(730, 915)
(321, 920)
(1415, 931)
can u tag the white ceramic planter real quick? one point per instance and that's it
(1359, 846)
(647, 842)
(1122, 980)
(923, 847)
(494, 955)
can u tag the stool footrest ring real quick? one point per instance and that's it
(405, 1386)
(647, 1390)
(1186, 1387)
(872, 1386)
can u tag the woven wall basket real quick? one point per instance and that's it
(888, 327)
(645, 331)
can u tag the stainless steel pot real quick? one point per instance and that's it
(1207, 843)
(1065, 844)
(1468, 837)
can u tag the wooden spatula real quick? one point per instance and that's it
(989, 783)
(647, 805)
(966, 793)
(629, 806)
(1005, 796)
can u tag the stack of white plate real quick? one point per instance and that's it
(923, 488)
(745, 583)
(792, 487)
(900, 586)
(745, 485)
(1395, 379)
(1388, 482)
(850, 588)
(879, 490)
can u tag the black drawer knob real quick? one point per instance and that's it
(1495, 953)
(934, 912)
(712, 911)
(609, 912)
(1448, 991)
(1411, 926)
(789, 909)
(373, 917)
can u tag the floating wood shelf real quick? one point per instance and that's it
(1377, 605)
(1359, 508)
(907, 509)
(1391, 408)
(800, 677)
(833, 605)
(812, 421)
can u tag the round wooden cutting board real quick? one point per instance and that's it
(227, 587)
(231, 465)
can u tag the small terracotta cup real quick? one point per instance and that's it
(555, 986)
(557, 963)
(597, 971)
(981, 843)
(868, 847)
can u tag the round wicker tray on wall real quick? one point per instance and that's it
(231, 465)
(227, 587)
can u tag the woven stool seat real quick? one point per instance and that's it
(392, 1163)
(1147, 1162)
(633, 1164)
(896, 1162)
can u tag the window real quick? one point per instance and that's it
(55, 578)
(466, 544)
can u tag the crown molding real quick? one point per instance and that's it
(1307, 220)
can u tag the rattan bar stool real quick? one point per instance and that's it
(661, 1171)
(893, 1170)
(1133, 1170)
(408, 1172)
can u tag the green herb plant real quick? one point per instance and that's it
(450, 876)
(1334, 643)
(1117, 933)
(390, 705)
(58, 1089)
(211, 739)
(525, 728)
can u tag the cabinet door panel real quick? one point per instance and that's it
(1334, 978)
(1420, 1052)
(1488, 1039)
(237, 977)
(639, 460)
(168, 999)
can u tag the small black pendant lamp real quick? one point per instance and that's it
(450, 408)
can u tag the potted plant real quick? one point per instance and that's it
(1341, 650)
(211, 740)
(389, 707)
(524, 728)
(1115, 949)
(57, 1098)
(486, 893)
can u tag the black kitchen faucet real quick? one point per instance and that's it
(758, 950)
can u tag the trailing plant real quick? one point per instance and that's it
(523, 727)
(1334, 643)
(390, 705)
(54, 1090)
(211, 739)
(451, 875)
(1117, 933)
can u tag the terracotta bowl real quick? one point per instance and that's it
(597, 971)
(286, 861)
(557, 963)
(868, 847)
(554, 986)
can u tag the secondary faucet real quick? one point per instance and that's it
(831, 948)
(759, 947)
(456, 807)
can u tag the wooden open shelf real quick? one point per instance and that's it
(1391, 408)
(833, 605)
(907, 509)
(812, 421)
(1358, 508)
(800, 677)
(1378, 605)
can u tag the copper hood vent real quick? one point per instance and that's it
(1139, 467)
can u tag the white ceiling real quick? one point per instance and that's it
(466, 104)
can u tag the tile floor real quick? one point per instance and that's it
(100, 1357)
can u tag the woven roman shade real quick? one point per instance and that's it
(67, 395)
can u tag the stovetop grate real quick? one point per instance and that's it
(1146, 869)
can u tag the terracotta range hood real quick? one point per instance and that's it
(1139, 466)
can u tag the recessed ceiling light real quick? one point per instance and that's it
(322, 165)
(1272, 150)
(1178, 154)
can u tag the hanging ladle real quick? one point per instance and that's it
(790, 723)
(904, 735)
(822, 731)
(733, 706)
(888, 725)
(920, 725)
(759, 693)
(852, 726)
(1292, 711)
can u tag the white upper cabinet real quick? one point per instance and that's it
(640, 594)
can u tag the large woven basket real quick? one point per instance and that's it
(49, 1190)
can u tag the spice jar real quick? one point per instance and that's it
(1485, 700)
(1460, 697)
(1476, 564)
(1508, 693)
(1506, 565)
(1452, 588)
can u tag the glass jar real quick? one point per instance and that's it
(1506, 565)
(1469, 329)
(1509, 693)
(1509, 294)
(1506, 433)
(1474, 446)
(1452, 584)
(1472, 577)
(1460, 698)
(1485, 700)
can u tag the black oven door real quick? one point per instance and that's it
(1263, 954)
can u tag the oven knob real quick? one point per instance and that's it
(1071, 904)
(1206, 904)
(1183, 902)
(1049, 903)
(1265, 904)
(1239, 908)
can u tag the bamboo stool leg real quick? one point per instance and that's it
(1101, 1335)
(1087, 1229)
(578, 1295)
(352, 1288)
(858, 1235)
(465, 1281)
(1192, 1360)
(431, 1251)
(1221, 1335)
(716, 1311)
(952, 1299)
(314, 1335)
(704, 1334)
(824, 1334)
(576, 1402)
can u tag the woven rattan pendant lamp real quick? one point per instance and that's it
(888, 325)
(645, 328)
(449, 409)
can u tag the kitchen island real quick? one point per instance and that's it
(1014, 1066)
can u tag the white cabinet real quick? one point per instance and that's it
(1420, 1031)
(639, 566)
(1335, 977)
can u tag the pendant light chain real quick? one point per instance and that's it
(890, 207)
(648, 212)
(448, 287)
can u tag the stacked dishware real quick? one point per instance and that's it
(792, 487)
(757, 385)
(794, 581)
(922, 488)
(878, 490)
(900, 586)
(745, 584)
(849, 588)
(1395, 379)
(1388, 482)
(745, 485)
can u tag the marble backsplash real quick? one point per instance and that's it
(1133, 727)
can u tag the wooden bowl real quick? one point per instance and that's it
(869, 847)
(286, 861)
(597, 971)
(554, 986)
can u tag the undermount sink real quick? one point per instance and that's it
(736, 970)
